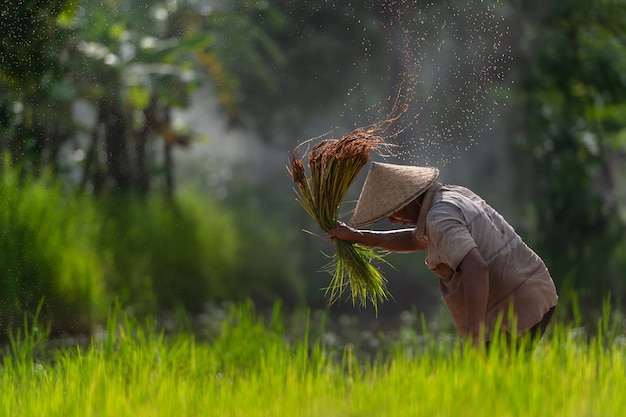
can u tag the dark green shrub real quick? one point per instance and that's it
(168, 253)
(47, 252)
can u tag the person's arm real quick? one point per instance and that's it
(476, 286)
(402, 240)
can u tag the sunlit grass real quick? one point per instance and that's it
(251, 369)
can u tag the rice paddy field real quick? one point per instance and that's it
(249, 367)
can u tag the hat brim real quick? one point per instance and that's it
(388, 188)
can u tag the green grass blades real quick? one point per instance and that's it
(253, 369)
(355, 266)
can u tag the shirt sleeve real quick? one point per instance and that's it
(449, 234)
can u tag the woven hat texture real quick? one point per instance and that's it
(388, 188)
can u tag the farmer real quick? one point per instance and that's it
(487, 274)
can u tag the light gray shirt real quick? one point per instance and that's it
(455, 220)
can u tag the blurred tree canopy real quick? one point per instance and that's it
(131, 62)
(574, 106)
(87, 90)
(31, 75)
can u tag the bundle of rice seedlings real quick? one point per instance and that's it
(334, 165)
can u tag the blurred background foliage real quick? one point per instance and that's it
(573, 99)
(91, 212)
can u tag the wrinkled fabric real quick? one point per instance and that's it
(521, 290)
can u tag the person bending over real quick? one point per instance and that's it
(487, 275)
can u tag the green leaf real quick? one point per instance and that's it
(66, 17)
(139, 96)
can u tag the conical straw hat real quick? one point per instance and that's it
(388, 188)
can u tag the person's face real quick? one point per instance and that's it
(407, 215)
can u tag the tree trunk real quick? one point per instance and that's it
(118, 161)
(169, 171)
(90, 157)
(141, 159)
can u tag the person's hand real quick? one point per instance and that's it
(344, 232)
